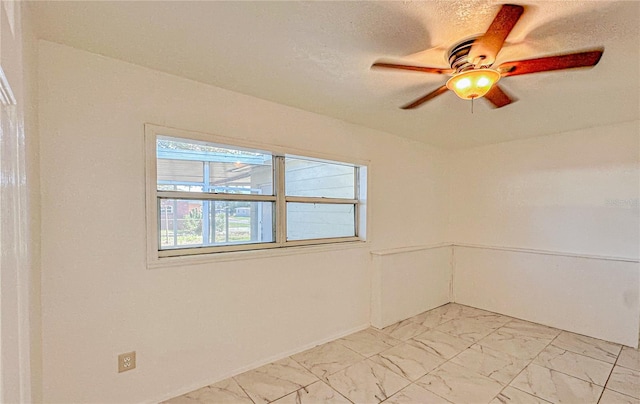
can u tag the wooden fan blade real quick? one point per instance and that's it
(425, 98)
(435, 70)
(497, 97)
(549, 63)
(485, 48)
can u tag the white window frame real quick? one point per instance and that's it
(158, 257)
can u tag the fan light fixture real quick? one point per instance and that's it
(471, 62)
(474, 83)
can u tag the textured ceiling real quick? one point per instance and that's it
(317, 55)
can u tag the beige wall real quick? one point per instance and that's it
(30, 57)
(192, 325)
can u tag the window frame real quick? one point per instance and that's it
(157, 256)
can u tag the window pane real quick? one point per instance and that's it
(194, 223)
(195, 166)
(319, 178)
(317, 220)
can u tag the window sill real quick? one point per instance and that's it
(177, 261)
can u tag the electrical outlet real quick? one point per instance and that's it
(126, 361)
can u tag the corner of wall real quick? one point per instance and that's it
(452, 274)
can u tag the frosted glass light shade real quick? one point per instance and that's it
(473, 83)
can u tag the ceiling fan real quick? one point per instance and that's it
(471, 63)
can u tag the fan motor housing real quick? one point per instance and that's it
(458, 55)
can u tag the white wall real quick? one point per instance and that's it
(589, 296)
(569, 193)
(408, 281)
(192, 325)
(574, 192)
(576, 195)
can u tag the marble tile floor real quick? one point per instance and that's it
(452, 354)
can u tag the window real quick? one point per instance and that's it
(206, 196)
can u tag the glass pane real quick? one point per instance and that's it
(196, 223)
(195, 166)
(319, 178)
(317, 220)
